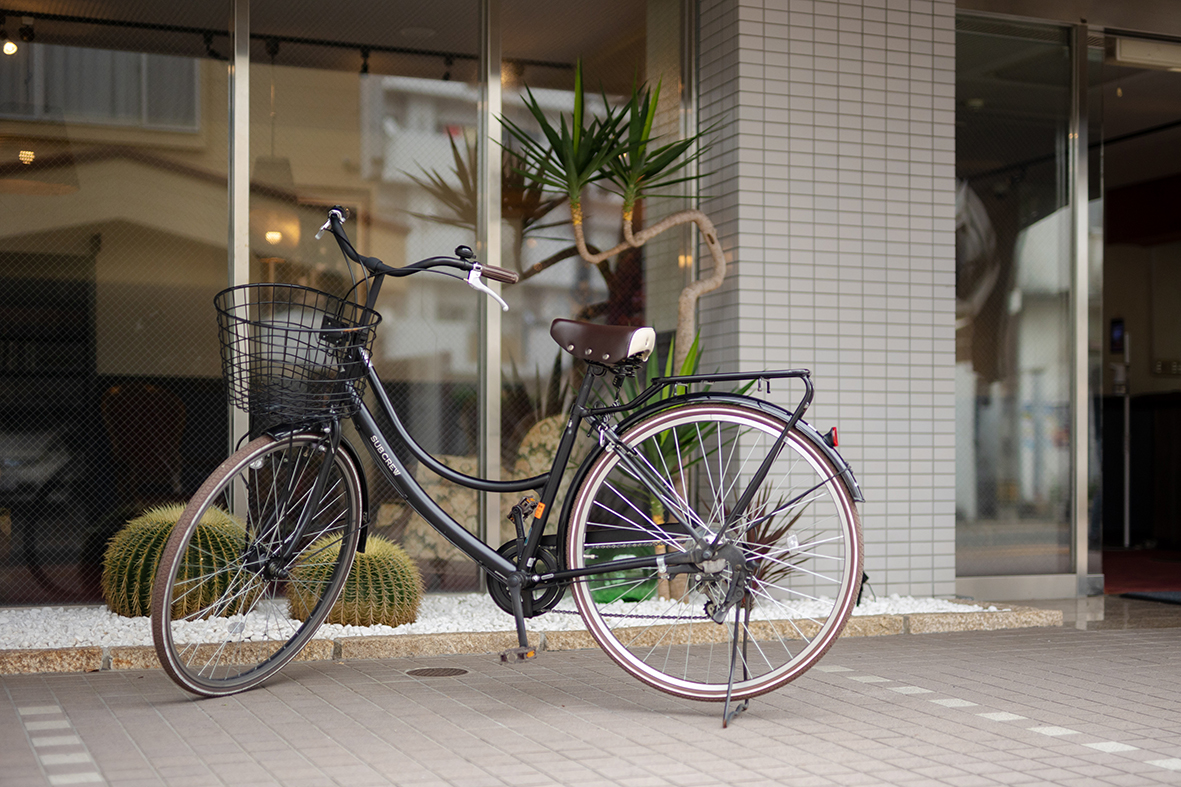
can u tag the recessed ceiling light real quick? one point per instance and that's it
(418, 33)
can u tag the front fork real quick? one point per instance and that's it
(273, 562)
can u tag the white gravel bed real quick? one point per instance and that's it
(66, 627)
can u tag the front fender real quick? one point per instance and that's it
(366, 514)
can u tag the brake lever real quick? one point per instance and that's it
(476, 283)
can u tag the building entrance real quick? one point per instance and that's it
(1139, 102)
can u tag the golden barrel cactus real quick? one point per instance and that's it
(384, 586)
(133, 554)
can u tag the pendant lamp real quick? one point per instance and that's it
(38, 166)
(274, 214)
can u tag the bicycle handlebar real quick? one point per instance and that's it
(500, 274)
(464, 260)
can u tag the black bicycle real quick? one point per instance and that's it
(711, 540)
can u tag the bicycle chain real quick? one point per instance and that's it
(618, 615)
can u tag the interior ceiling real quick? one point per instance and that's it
(1011, 104)
(535, 31)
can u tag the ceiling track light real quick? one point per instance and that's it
(210, 52)
(27, 34)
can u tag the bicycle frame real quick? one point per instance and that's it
(385, 456)
(492, 562)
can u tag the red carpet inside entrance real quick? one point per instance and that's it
(1141, 570)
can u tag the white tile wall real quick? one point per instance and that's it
(832, 187)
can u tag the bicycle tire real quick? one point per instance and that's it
(806, 575)
(265, 486)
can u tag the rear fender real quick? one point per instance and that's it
(845, 473)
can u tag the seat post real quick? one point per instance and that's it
(562, 457)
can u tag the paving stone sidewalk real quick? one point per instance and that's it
(1045, 706)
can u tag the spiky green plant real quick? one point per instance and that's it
(573, 155)
(133, 554)
(384, 586)
(643, 167)
(619, 148)
(766, 538)
(522, 200)
(522, 196)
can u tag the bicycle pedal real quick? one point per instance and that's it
(518, 654)
(525, 508)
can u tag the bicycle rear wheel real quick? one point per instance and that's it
(226, 614)
(800, 539)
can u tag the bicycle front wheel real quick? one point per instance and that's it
(800, 540)
(238, 592)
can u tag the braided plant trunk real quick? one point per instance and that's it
(687, 303)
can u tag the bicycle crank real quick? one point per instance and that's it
(534, 601)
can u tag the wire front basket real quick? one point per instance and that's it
(291, 353)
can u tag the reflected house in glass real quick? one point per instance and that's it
(113, 245)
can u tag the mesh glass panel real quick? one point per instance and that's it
(114, 243)
(113, 188)
(360, 121)
(618, 44)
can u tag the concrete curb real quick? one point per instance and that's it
(140, 657)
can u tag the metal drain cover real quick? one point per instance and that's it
(436, 672)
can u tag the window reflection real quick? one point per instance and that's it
(1013, 278)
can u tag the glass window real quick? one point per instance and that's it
(619, 45)
(1013, 280)
(113, 184)
(115, 243)
(380, 116)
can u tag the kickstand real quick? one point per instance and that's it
(741, 620)
(523, 652)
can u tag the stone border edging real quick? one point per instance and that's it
(139, 657)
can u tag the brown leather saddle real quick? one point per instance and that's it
(605, 344)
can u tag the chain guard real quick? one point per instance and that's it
(534, 601)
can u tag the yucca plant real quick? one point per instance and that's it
(523, 203)
(384, 586)
(573, 155)
(133, 555)
(642, 167)
(619, 148)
